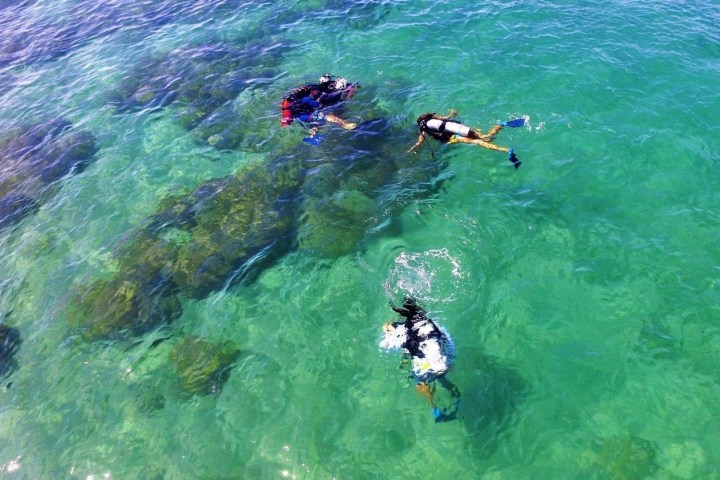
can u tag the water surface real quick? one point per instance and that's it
(581, 290)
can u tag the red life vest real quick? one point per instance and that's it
(291, 100)
(287, 116)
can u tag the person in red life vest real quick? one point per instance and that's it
(307, 102)
(443, 129)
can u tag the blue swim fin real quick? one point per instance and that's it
(513, 158)
(314, 140)
(517, 122)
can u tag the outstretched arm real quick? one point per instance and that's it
(451, 114)
(419, 142)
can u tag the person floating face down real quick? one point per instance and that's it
(443, 129)
(306, 103)
(431, 352)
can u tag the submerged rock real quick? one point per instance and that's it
(232, 226)
(148, 396)
(34, 157)
(69, 153)
(201, 84)
(14, 207)
(224, 230)
(9, 343)
(120, 307)
(626, 457)
(333, 227)
(203, 367)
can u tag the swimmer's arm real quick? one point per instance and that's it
(310, 101)
(419, 142)
(451, 114)
(330, 98)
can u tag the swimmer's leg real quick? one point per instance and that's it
(426, 390)
(450, 387)
(487, 137)
(493, 131)
(335, 119)
(479, 143)
(447, 411)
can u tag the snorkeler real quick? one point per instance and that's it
(431, 351)
(442, 129)
(306, 103)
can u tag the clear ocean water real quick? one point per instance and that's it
(582, 290)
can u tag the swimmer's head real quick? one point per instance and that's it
(409, 302)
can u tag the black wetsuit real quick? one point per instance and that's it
(301, 103)
(416, 323)
(440, 136)
(415, 317)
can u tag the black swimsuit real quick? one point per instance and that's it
(441, 135)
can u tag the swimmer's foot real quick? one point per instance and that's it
(517, 122)
(513, 158)
(315, 138)
(349, 125)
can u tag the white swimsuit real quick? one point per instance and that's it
(435, 125)
(437, 352)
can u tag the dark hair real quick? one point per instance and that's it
(425, 117)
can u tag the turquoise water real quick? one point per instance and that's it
(581, 290)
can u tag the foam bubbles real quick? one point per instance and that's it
(433, 275)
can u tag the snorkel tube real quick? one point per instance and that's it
(339, 85)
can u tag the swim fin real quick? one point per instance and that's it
(517, 122)
(314, 140)
(513, 158)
